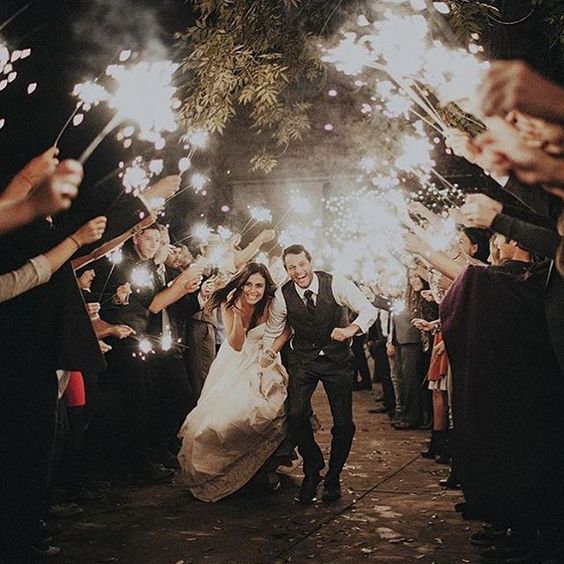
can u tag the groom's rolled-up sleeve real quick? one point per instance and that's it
(347, 294)
(276, 319)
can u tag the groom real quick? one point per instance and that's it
(315, 305)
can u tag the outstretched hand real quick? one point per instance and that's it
(57, 191)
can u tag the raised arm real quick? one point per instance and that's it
(38, 270)
(233, 327)
(244, 256)
(185, 283)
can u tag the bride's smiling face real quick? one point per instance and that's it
(253, 289)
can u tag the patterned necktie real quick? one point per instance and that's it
(310, 304)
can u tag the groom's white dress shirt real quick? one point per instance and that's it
(346, 294)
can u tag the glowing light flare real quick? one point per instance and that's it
(166, 342)
(198, 182)
(397, 105)
(141, 277)
(217, 256)
(135, 177)
(297, 234)
(144, 94)
(90, 94)
(348, 56)
(145, 346)
(124, 55)
(260, 214)
(116, 256)
(444, 237)
(156, 166)
(400, 41)
(201, 231)
(441, 7)
(224, 233)
(184, 164)
(300, 204)
(415, 154)
(198, 138)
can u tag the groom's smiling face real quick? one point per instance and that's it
(299, 269)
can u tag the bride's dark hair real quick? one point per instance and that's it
(235, 288)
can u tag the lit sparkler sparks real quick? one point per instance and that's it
(184, 164)
(260, 214)
(201, 231)
(145, 95)
(116, 256)
(135, 178)
(141, 277)
(141, 92)
(198, 138)
(145, 346)
(224, 233)
(198, 182)
(300, 204)
(166, 341)
(443, 238)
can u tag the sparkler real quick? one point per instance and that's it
(135, 178)
(258, 215)
(14, 16)
(142, 93)
(402, 47)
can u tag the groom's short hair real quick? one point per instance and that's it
(295, 250)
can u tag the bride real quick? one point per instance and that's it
(240, 419)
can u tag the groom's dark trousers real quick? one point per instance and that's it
(337, 379)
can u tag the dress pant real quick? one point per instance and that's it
(360, 362)
(383, 373)
(28, 406)
(201, 352)
(409, 367)
(337, 379)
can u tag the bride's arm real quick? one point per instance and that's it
(269, 355)
(233, 327)
(281, 340)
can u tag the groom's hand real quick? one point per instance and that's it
(343, 333)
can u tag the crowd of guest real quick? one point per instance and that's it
(94, 297)
(492, 347)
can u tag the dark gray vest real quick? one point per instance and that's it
(312, 332)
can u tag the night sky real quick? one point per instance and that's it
(72, 41)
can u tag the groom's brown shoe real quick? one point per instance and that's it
(308, 489)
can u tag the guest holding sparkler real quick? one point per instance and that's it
(147, 369)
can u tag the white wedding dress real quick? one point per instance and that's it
(238, 423)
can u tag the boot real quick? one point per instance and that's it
(435, 446)
(443, 453)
